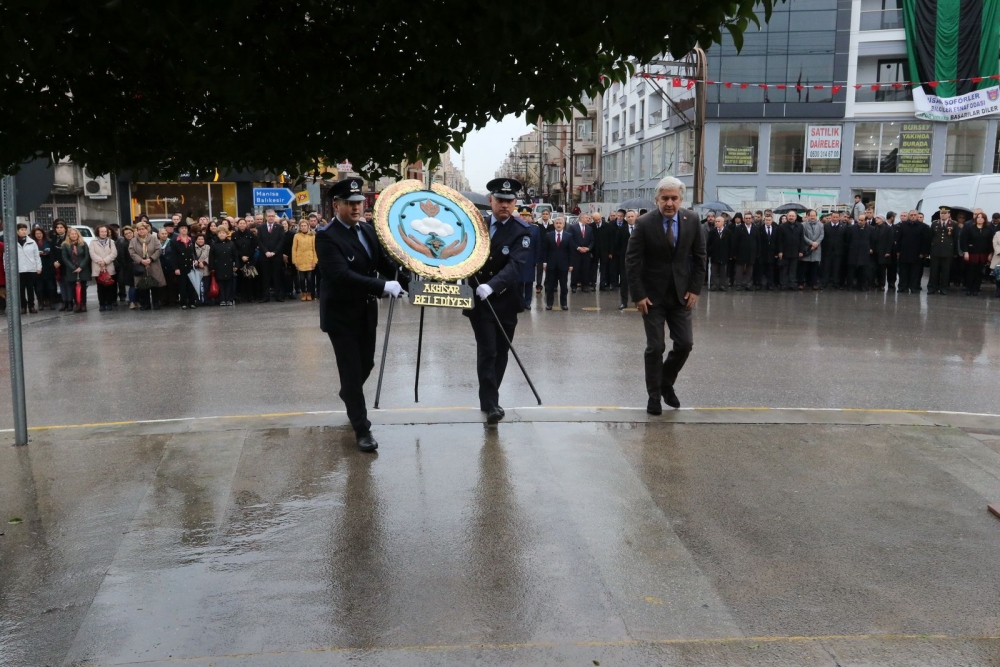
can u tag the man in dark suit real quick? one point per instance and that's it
(834, 248)
(912, 244)
(351, 258)
(618, 258)
(556, 257)
(270, 239)
(860, 250)
(665, 266)
(582, 235)
(767, 254)
(792, 241)
(624, 234)
(719, 248)
(604, 250)
(744, 248)
(499, 281)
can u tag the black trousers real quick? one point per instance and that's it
(910, 275)
(881, 273)
(940, 274)
(354, 349)
(527, 293)
(227, 291)
(27, 281)
(890, 273)
(271, 274)
(538, 276)
(617, 268)
(766, 274)
(662, 372)
(555, 277)
(600, 265)
(789, 272)
(581, 270)
(973, 276)
(860, 275)
(106, 294)
(810, 274)
(246, 288)
(623, 289)
(492, 351)
(831, 270)
(188, 295)
(120, 280)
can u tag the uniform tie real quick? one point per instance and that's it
(357, 229)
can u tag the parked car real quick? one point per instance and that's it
(86, 233)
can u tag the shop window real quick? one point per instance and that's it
(788, 152)
(685, 152)
(738, 147)
(889, 148)
(965, 147)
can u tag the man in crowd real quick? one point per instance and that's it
(583, 246)
(859, 207)
(719, 251)
(882, 246)
(910, 243)
(544, 227)
(890, 272)
(604, 246)
(665, 258)
(745, 245)
(555, 260)
(942, 250)
(812, 236)
(767, 255)
(535, 258)
(618, 260)
(834, 248)
(621, 247)
(859, 254)
(790, 251)
(270, 238)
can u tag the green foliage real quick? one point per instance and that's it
(176, 86)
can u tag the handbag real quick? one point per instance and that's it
(213, 288)
(249, 271)
(138, 269)
(104, 278)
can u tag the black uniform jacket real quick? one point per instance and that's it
(770, 244)
(510, 250)
(350, 284)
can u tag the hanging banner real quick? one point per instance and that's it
(914, 154)
(823, 142)
(971, 105)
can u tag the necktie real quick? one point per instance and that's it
(670, 233)
(558, 239)
(357, 228)
(493, 227)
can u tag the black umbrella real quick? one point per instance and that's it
(717, 206)
(793, 206)
(480, 201)
(954, 211)
(636, 204)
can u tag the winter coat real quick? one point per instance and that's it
(994, 263)
(45, 251)
(28, 259)
(106, 253)
(72, 260)
(791, 239)
(183, 255)
(223, 260)
(304, 251)
(882, 243)
(719, 247)
(912, 240)
(813, 232)
(151, 250)
(859, 245)
(123, 263)
(977, 241)
(203, 254)
(745, 244)
(245, 244)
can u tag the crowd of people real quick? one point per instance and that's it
(187, 264)
(762, 250)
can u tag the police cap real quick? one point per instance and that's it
(504, 188)
(348, 189)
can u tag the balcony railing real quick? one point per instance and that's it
(615, 135)
(586, 174)
(883, 94)
(882, 19)
(654, 118)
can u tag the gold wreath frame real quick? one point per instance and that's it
(465, 268)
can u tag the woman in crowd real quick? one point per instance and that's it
(45, 284)
(304, 259)
(145, 251)
(58, 238)
(202, 259)
(76, 264)
(183, 257)
(29, 267)
(223, 262)
(123, 265)
(977, 245)
(245, 245)
(103, 254)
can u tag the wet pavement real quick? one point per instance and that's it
(564, 537)
(833, 349)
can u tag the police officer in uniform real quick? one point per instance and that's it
(350, 260)
(499, 284)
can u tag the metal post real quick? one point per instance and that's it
(701, 73)
(385, 345)
(14, 312)
(420, 345)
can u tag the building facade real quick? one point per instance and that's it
(775, 145)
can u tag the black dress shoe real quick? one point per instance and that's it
(565, 307)
(622, 307)
(367, 443)
(494, 415)
(653, 407)
(670, 398)
(548, 307)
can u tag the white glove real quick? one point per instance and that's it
(392, 288)
(484, 291)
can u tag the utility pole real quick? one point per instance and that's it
(572, 168)
(542, 186)
(8, 193)
(701, 73)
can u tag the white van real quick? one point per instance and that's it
(971, 192)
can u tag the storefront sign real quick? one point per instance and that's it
(738, 156)
(441, 295)
(971, 105)
(823, 142)
(273, 197)
(914, 154)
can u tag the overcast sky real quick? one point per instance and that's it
(485, 149)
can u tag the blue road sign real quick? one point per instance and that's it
(282, 197)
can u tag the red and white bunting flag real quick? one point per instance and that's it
(676, 82)
(780, 86)
(744, 85)
(836, 89)
(727, 84)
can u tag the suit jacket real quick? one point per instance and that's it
(834, 240)
(621, 243)
(720, 246)
(582, 237)
(651, 265)
(745, 245)
(557, 257)
(791, 240)
(270, 241)
(769, 245)
(350, 284)
(604, 239)
(860, 245)
(882, 243)
(912, 240)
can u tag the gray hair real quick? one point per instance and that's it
(670, 183)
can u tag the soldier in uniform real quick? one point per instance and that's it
(528, 270)
(942, 250)
(350, 260)
(498, 284)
